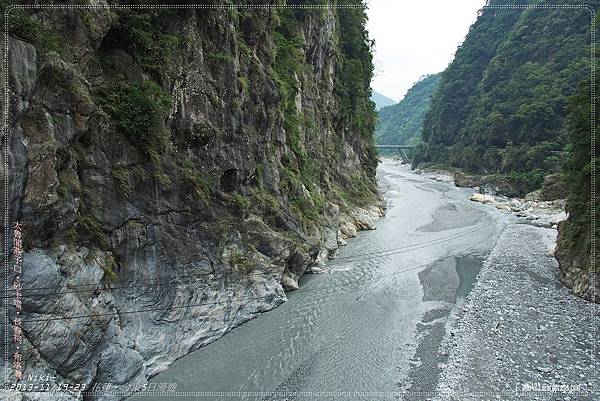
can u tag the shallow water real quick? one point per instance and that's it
(358, 328)
(467, 268)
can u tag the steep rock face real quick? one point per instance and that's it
(174, 170)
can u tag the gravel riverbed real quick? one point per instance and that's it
(521, 334)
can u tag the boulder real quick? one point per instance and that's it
(557, 218)
(481, 198)
(554, 187)
(464, 180)
(515, 203)
(533, 196)
(366, 218)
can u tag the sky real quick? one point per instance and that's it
(415, 38)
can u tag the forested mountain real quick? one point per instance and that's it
(381, 100)
(501, 104)
(402, 123)
(575, 236)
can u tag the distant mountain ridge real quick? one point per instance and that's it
(402, 123)
(381, 100)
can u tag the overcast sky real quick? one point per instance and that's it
(414, 38)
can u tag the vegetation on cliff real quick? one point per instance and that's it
(575, 234)
(228, 112)
(512, 106)
(218, 150)
(354, 114)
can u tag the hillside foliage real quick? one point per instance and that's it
(575, 239)
(502, 103)
(402, 123)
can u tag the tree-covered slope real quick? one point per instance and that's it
(501, 104)
(402, 123)
(380, 100)
(575, 235)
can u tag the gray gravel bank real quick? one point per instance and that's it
(522, 335)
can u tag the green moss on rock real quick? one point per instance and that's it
(140, 111)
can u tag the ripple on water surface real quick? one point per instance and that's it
(350, 330)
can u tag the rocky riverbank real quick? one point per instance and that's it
(348, 226)
(130, 326)
(545, 207)
(541, 213)
(532, 208)
(539, 342)
(521, 334)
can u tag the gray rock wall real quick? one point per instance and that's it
(138, 251)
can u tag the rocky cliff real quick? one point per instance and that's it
(175, 170)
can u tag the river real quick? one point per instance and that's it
(370, 328)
